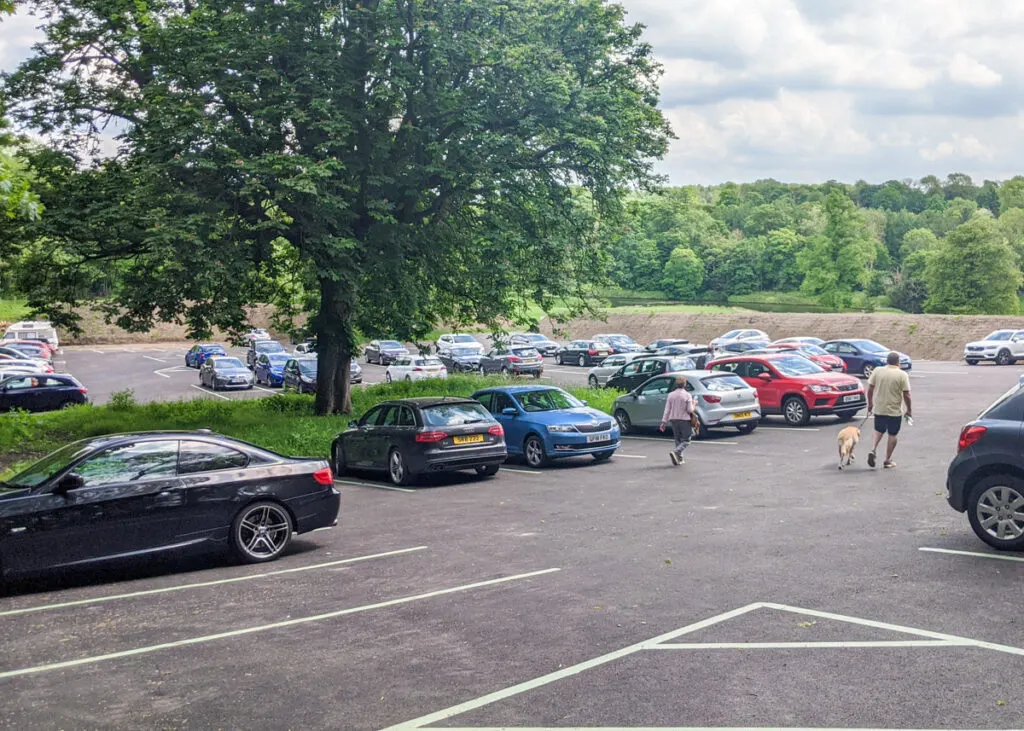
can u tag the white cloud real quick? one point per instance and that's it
(965, 70)
(967, 147)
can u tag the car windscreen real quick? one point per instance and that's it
(796, 365)
(48, 466)
(534, 337)
(812, 349)
(624, 339)
(524, 352)
(269, 346)
(549, 399)
(308, 367)
(212, 349)
(724, 383)
(227, 363)
(459, 352)
(682, 364)
(391, 344)
(869, 346)
(455, 414)
(278, 358)
(463, 339)
(1000, 335)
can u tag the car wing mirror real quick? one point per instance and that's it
(509, 411)
(765, 376)
(69, 482)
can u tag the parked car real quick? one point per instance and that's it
(583, 353)
(355, 371)
(12, 367)
(138, 494)
(270, 368)
(985, 479)
(1002, 347)
(415, 436)
(415, 368)
(384, 352)
(512, 360)
(34, 350)
(795, 387)
(726, 348)
(460, 360)
(199, 352)
(258, 333)
(643, 369)
(40, 392)
(721, 400)
(259, 347)
(655, 345)
(306, 347)
(39, 330)
(740, 334)
(699, 354)
(41, 366)
(620, 343)
(599, 374)
(799, 340)
(543, 423)
(828, 361)
(463, 340)
(300, 374)
(544, 345)
(220, 371)
(863, 356)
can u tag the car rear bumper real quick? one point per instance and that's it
(528, 369)
(959, 473)
(316, 510)
(980, 356)
(562, 449)
(728, 417)
(463, 458)
(424, 376)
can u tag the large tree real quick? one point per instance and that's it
(974, 271)
(408, 160)
(837, 262)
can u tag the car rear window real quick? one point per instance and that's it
(1007, 407)
(724, 383)
(524, 352)
(455, 414)
(227, 363)
(390, 344)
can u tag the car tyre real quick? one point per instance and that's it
(582, 362)
(505, 372)
(213, 384)
(261, 532)
(867, 370)
(846, 416)
(795, 411)
(537, 375)
(338, 460)
(603, 456)
(398, 470)
(972, 362)
(991, 501)
(488, 470)
(533, 451)
(387, 377)
(67, 404)
(592, 382)
(747, 428)
(625, 425)
(558, 359)
(1004, 358)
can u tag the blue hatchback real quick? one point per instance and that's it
(270, 368)
(198, 354)
(543, 423)
(863, 356)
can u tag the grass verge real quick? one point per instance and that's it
(12, 310)
(283, 423)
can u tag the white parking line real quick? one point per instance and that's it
(208, 392)
(521, 472)
(667, 440)
(265, 627)
(158, 360)
(973, 553)
(370, 484)
(631, 456)
(267, 390)
(201, 584)
(101, 352)
(789, 428)
(808, 645)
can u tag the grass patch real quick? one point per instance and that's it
(12, 310)
(677, 308)
(283, 423)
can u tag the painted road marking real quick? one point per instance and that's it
(158, 360)
(201, 584)
(807, 645)
(208, 392)
(768, 427)
(265, 627)
(973, 553)
(375, 486)
(631, 456)
(172, 369)
(521, 472)
(668, 440)
(260, 388)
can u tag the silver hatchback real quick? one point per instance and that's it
(599, 374)
(721, 402)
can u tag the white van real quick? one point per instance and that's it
(29, 330)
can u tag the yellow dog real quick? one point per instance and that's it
(848, 439)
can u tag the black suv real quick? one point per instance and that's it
(984, 479)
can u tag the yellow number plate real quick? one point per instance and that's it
(743, 415)
(471, 439)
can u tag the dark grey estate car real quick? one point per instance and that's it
(986, 478)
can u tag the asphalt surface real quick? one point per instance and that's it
(619, 594)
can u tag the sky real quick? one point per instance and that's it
(813, 90)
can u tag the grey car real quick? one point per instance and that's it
(721, 402)
(599, 375)
(541, 343)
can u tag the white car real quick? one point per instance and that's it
(415, 368)
(15, 368)
(33, 330)
(258, 333)
(1004, 347)
(461, 340)
(599, 374)
(740, 334)
(8, 355)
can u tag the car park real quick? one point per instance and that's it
(583, 353)
(35, 350)
(1002, 347)
(384, 352)
(20, 367)
(740, 334)
(450, 340)
(219, 372)
(796, 388)
(14, 356)
(543, 423)
(259, 347)
(270, 368)
(129, 495)
(799, 340)
(415, 368)
(40, 330)
(40, 392)
(411, 437)
(544, 345)
(727, 348)
(720, 399)
(828, 361)
(643, 369)
(655, 345)
(300, 374)
(619, 343)
(986, 477)
(199, 352)
(863, 356)
(512, 360)
(599, 374)
(458, 359)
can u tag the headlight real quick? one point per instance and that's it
(561, 428)
(821, 389)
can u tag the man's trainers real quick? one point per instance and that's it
(871, 458)
(674, 457)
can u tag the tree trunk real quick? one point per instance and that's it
(335, 347)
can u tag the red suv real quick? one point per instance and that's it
(791, 385)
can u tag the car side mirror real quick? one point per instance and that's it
(353, 425)
(765, 377)
(583, 402)
(509, 411)
(70, 481)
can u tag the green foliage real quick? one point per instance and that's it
(683, 274)
(1011, 193)
(836, 262)
(12, 310)
(974, 271)
(122, 400)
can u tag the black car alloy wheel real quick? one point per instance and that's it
(261, 532)
(398, 470)
(533, 451)
(583, 360)
(795, 411)
(338, 459)
(624, 422)
(996, 511)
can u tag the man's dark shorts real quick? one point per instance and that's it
(890, 424)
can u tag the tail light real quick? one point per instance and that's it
(592, 352)
(496, 431)
(969, 436)
(431, 437)
(711, 399)
(324, 476)
(514, 359)
(418, 369)
(83, 390)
